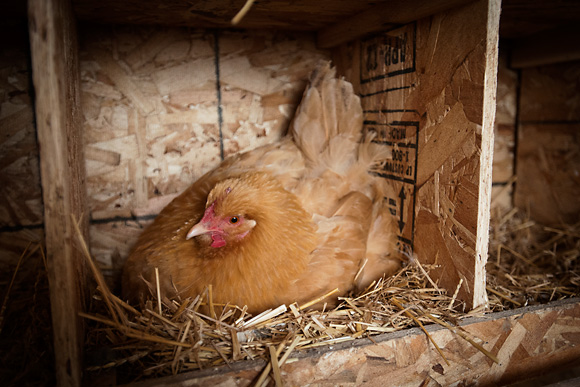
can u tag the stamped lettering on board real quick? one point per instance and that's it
(388, 54)
(387, 77)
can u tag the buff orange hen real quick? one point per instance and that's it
(284, 222)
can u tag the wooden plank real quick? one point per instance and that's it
(487, 144)
(56, 83)
(381, 17)
(520, 18)
(304, 15)
(428, 93)
(556, 47)
(528, 342)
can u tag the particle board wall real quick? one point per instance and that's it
(548, 157)
(428, 93)
(504, 136)
(21, 210)
(162, 106)
(20, 193)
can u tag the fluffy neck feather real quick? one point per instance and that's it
(277, 249)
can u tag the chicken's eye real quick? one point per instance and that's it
(234, 219)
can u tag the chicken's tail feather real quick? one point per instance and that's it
(328, 123)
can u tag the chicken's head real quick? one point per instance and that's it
(224, 220)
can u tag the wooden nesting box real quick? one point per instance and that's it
(148, 104)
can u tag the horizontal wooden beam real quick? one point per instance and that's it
(382, 17)
(548, 47)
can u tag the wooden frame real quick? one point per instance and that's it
(448, 109)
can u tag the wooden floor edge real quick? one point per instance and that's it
(546, 332)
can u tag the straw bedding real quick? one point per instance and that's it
(26, 350)
(528, 264)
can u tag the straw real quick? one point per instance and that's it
(181, 338)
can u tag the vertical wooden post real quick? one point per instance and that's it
(486, 157)
(56, 84)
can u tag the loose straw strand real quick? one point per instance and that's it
(240, 15)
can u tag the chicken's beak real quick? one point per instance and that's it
(196, 230)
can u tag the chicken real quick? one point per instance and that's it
(285, 222)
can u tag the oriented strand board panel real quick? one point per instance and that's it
(527, 342)
(111, 242)
(504, 135)
(262, 78)
(548, 172)
(550, 93)
(505, 121)
(152, 124)
(20, 193)
(150, 112)
(336, 21)
(21, 210)
(381, 17)
(548, 159)
(428, 93)
(12, 245)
